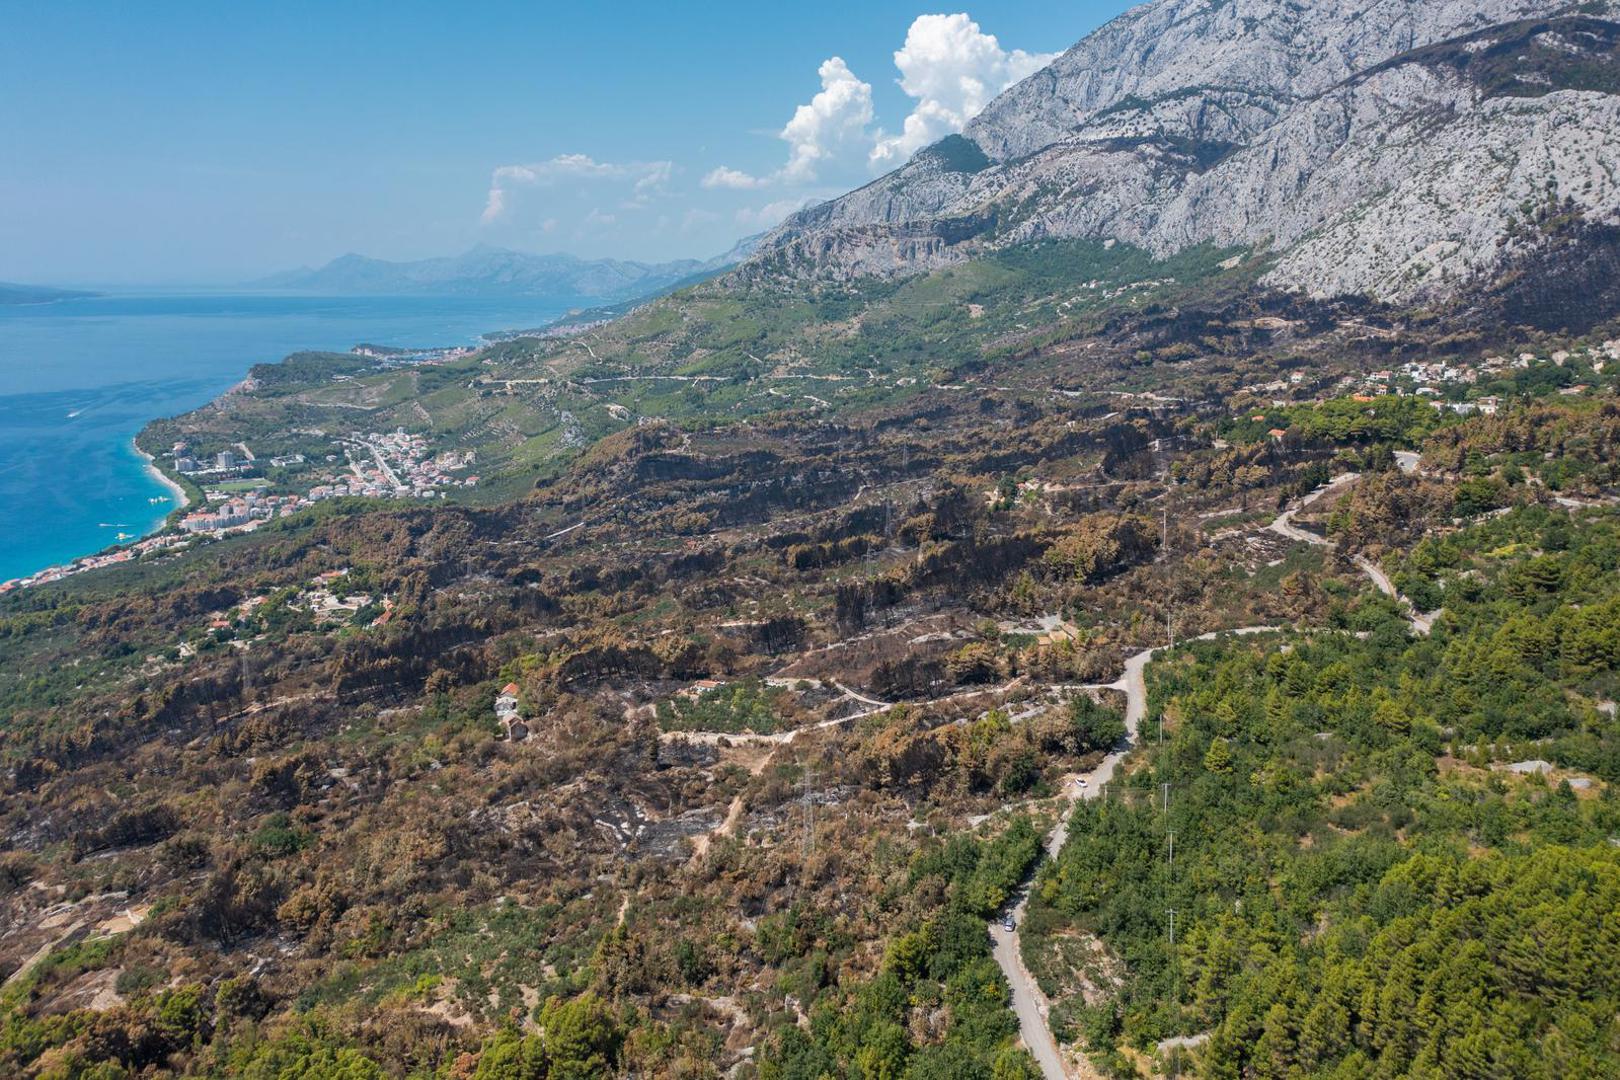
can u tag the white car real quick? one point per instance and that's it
(1080, 781)
(1008, 925)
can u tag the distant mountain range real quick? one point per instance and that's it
(37, 294)
(492, 271)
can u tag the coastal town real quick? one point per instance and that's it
(241, 489)
(239, 498)
(162, 543)
(373, 465)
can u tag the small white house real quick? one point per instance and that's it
(506, 703)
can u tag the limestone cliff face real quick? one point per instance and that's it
(1387, 147)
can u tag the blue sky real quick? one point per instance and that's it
(205, 143)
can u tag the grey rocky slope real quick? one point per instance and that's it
(1386, 147)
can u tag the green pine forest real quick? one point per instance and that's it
(1357, 893)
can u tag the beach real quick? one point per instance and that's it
(181, 499)
(80, 378)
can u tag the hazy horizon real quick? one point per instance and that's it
(197, 146)
(253, 281)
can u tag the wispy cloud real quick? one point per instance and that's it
(696, 218)
(647, 178)
(732, 179)
(773, 213)
(654, 177)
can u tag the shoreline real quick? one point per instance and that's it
(105, 553)
(181, 499)
(118, 551)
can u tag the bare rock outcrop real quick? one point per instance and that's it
(1392, 148)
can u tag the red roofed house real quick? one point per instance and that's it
(506, 711)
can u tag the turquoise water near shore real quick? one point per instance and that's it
(79, 378)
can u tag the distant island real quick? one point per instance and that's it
(11, 294)
(500, 272)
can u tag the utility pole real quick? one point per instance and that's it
(1166, 784)
(809, 814)
(1172, 927)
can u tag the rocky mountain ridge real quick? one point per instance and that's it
(1392, 148)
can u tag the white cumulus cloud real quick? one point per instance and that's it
(952, 69)
(833, 120)
(832, 126)
(949, 67)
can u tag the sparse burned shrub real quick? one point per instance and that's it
(1103, 545)
(129, 828)
(977, 662)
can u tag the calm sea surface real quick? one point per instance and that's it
(79, 378)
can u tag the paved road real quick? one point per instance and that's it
(1422, 622)
(1028, 1002)
(1284, 524)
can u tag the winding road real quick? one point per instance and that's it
(1028, 1002)
(1422, 622)
(1284, 524)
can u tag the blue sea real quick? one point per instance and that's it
(79, 378)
